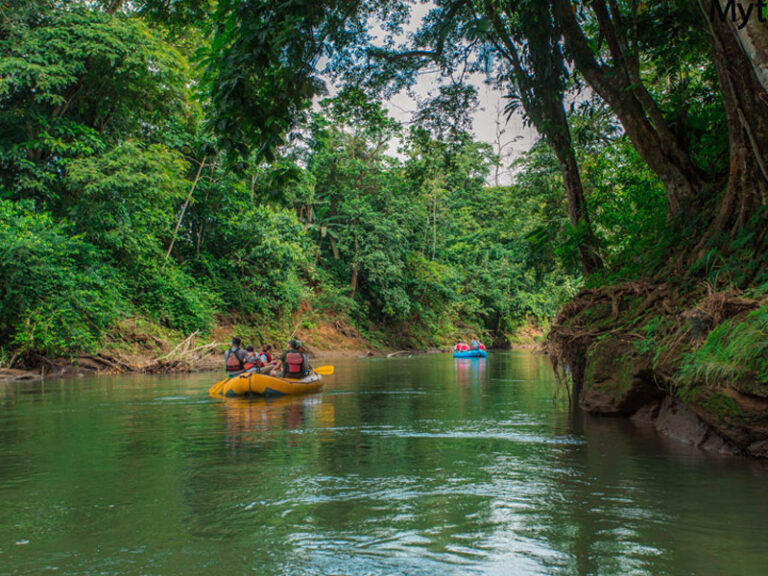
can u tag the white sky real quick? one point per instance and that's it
(489, 122)
(514, 139)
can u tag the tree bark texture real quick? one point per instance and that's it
(620, 86)
(541, 93)
(747, 116)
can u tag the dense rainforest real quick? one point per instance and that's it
(119, 205)
(181, 165)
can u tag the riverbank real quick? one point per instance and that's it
(685, 358)
(140, 351)
(89, 365)
(139, 346)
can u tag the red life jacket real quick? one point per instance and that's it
(233, 361)
(295, 362)
(248, 365)
(254, 361)
(269, 357)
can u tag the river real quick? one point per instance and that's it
(412, 466)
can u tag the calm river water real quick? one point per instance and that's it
(410, 466)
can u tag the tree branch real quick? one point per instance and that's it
(395, 56)
(435, 54)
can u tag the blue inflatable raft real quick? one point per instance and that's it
(471, 354)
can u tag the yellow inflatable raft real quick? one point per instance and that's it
(262, 385)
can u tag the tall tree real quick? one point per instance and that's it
(747, 114)
(615, 74)
(525, 36)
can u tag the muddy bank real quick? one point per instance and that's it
(690, 362)
(135, 347)
(185, 357)
(108, 364)
(105, 365)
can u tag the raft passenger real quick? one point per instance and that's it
(461, 346)
(267, 363)
(234, 358)
(252, 361)
(293, 362)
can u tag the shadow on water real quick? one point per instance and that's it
(427, 465)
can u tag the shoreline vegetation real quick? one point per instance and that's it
(150, 354)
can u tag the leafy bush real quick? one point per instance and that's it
(265, 248)
(56, 293)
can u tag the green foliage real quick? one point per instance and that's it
(626, 200)
(259, 68)
(135, 184)
(90, 106)
(268, 249)
(125, 199)
(57, 295)
(736, 352)
(170, 295)
(124, 202)
(72, 82)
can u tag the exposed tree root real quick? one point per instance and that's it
(614, 312)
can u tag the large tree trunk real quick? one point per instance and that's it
(559, 136)
(754, 41)
(620, 86)
(541, 92)
(747, 116)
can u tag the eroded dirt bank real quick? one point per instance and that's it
(692, 362)
(139, 352)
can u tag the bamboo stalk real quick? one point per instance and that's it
(184, 210)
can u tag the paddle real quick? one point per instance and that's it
(324, 370)
(215, 390)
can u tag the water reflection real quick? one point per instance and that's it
(253, 420)
(409, 466)
(470, 371)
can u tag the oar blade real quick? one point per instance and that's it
(324, 370)
(215, 390)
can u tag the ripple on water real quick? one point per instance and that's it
(472, 434)
(422, 475)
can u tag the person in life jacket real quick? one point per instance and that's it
(482, 346)
(267, 362)
(294, 362)
(252, 361)
(475, 344)
(234, 358)
(461, 346)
